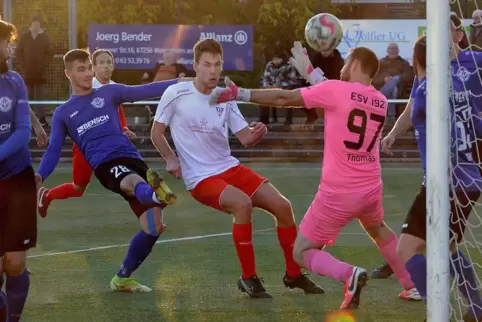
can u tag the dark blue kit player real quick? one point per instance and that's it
(18, 194)
(90, 118)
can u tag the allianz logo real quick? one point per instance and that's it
(240, 37)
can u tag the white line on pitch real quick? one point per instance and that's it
(164, 241)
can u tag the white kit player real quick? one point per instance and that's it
(214, 177)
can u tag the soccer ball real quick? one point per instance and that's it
(323, 32)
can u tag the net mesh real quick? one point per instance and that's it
(465, 284)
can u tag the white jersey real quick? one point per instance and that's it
(96, 83)
(199, 131)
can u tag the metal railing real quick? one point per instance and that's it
(398, 101)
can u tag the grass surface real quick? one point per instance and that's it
(195, 279)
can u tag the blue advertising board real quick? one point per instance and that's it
(141, 46)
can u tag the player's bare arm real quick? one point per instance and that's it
(252, 134)
(404, 122)
(42, 138)
(268, 97)
(158, 138)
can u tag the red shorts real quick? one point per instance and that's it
(209, 190)
(81, 169)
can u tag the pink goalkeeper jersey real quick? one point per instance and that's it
(354, 118)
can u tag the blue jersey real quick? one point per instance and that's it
(14, 125)
(419, 119)
(466, 126)
(92, 121)
(466, 68)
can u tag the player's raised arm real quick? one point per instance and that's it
(321, 95)
(20, 136)
(52, 155)
(124, 93)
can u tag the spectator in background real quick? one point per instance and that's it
(476, 30)
(394, 74)
(34, 54)
(264, 110)
(331, 63)
(279, 73)
(168, 68)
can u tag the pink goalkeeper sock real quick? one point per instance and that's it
(388, 249)
(322, 263)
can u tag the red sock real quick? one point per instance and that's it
(243, 240)
(63, 191)
(287, 237)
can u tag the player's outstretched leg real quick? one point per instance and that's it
(81, 175)
(161, 188)
(218, 192)
(64, 191)
(139, 249)
(382, 272)
(387, 241)
(311, 255)
(410, 250)
(236, 202)
(268, 198)
(18, 234)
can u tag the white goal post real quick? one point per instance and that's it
(438, 154)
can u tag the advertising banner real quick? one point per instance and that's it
(141, 46)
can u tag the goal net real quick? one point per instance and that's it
(463, 81)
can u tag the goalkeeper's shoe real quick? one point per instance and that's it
(410, 295)
(383, 271)
(127, 284)
(42, 201)
(160, 187)
(353, 287)
(303, 282)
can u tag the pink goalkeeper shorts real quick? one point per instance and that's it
(330, 212)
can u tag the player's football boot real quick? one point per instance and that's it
(160, 187)
(381, 272)
(253, 287)
(303, 282)
(410, 295)
(42, 201)
(127, 284)
(353, 288)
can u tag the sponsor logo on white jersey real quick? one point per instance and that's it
(92, 123)
(5, 104)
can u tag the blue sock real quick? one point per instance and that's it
(417, 267)
(466, 282)
(17, 291)
(144, 193)
(140, 247)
